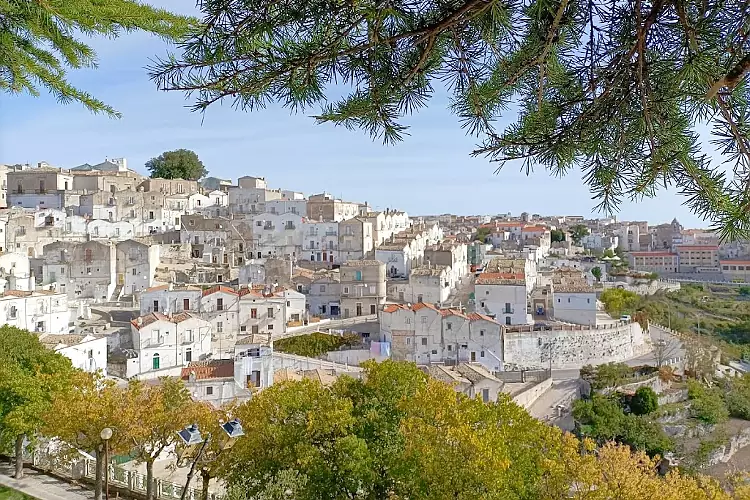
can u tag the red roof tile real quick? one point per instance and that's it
(219, 368)
(219, 288)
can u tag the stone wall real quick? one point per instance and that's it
(724, 453)
(641, 288)
(528, 397)
(572, 347)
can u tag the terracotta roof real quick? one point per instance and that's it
(653, 254)
(423, 305)
(446, 374)
(452, 312)
(574, 288)
(392, 308)
(478, 317)
(157, 316)
(534, 228)
(16, 293)
(501, 278)
(219, 288)
(218, 368)
(735, 262)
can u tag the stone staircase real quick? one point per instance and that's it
(116, 293)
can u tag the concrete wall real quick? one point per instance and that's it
(530, 395)
(573, 347)
(353, 356)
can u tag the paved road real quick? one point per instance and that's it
(672, 348)
(43, 487)
(562, 393)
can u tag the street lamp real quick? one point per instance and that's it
(191, 437)
(106, 435)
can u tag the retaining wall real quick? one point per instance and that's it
(574, 347)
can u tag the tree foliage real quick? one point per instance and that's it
(615, 88)
(30, 377)
(178, 164)
(38, 41)
(706, 403)
(482, 234)
(644, 401)
(577, 233)
(315, 344)
(557, 235)
(618, 301)
(596, 272)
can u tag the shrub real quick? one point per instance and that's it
(315, 344)
(644, 401)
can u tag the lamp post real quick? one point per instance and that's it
(191, 437)
(106, 435)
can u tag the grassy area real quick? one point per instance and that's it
(718, 313)
(9, 494)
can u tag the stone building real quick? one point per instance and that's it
(363, 288)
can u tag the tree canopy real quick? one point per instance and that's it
(178, 164)
(399, 434)
(30, 377)
(38, 41)
(618, 89)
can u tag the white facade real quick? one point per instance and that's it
(88, 354)
(41, 312)
(163, 342)
(506, 302)
(277, 235)
(168, 299)
(575, 307)
(220, 306)
(320, 241)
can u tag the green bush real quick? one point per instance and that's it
(644, 401)
(315, 344)
(706, 404)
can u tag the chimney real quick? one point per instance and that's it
(140, 320)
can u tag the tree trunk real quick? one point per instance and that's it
(149, 480)
(206, 477)
(99, 473)
(19, 457)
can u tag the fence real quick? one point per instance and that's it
(120, 478)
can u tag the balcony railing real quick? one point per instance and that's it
(332, 233)
(508, 310)
(290, 227)
(269, 227)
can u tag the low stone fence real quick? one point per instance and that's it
(528, 397)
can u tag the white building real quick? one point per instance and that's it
(320, 241)
(277, 235)
(170, 299)
(503, 296)
(426, 284)
(86, 352)
(41, 312)
(163, 342)
(574, 303)
(426, 334)
(219, 305)
(136, 267)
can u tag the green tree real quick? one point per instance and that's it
(597, 273)
(38, 42)
(744, 291)
(30, 377)
(163, 410)
(577, 233)
(707, 404)
(644, 401)
(78, 415)
(583, 76)
(178, 164)
(557, 235)
(618, 301)
(482, 234)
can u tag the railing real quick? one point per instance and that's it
(290, 227)
(119, 477)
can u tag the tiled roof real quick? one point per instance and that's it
(501, 279)
(475, 372)
(653, 254)
(54, 340)
(452, 312)
(16, 293)
(254, 338)
(157, 316)
(574, 288)
(446, 374)
(697, 247)
(429, 271)
(219, 288)
(218, 368)
(477, 317)
(535, 229)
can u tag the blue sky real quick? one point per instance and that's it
(430, 172)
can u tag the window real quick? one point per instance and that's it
(255, 377)
(209, 390)
(156, 306)
(449, 326)
(270, 312)
(346, 289)
(254, 313)
(558, 300)
(13, 312)
(186, 304)
(424, 340)
(270, 327)
(219, 327)
(188, 335)
(486, 395)
(481, 354)
(219, 304)
(155, 361)
(588, 301)
(434, 351)
(507, 320)
(358, 276)
(373, 309)
(188, 355)
(568, 300)
(322, 288)
(450, 347)
(408, 341)
(408, 321)
(424, 320)
(481, 333)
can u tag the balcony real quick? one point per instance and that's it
(269, 227)
(332, 233)
(290, 227)
(508, 310)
